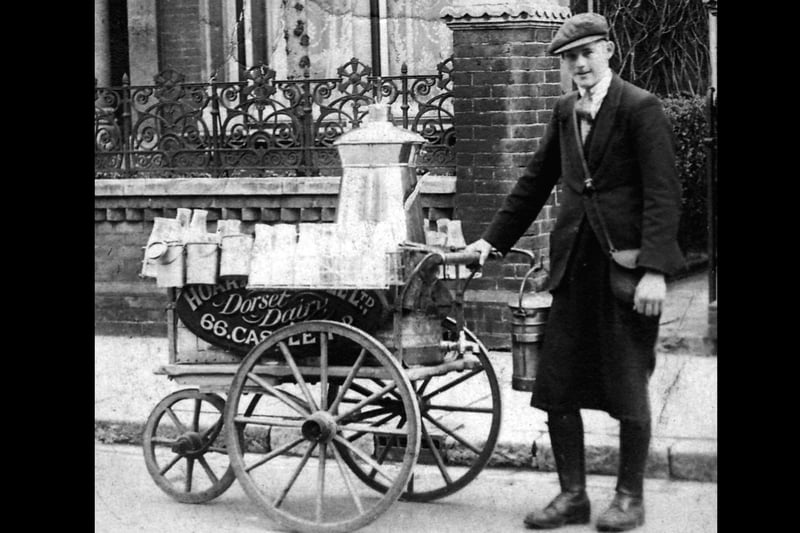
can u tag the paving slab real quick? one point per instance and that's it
(694, 459)
(127, 500)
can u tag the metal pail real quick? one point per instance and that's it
(202, 262)
(170, 266)
(529, 314)
(235, 254)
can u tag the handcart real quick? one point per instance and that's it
(322, 422)
(322, 395)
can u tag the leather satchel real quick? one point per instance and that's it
(624, 274)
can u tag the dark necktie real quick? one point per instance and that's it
(583, 110)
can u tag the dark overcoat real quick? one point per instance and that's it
(598, 352)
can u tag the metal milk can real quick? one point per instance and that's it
(529, 313)
(379, 183)
(379, 208)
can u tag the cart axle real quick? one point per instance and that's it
(190, 444)
(319, 427)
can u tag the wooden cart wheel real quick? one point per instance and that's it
(460, 425)
(184, 451)
(319, 494)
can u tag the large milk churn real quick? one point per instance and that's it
(379, 185)
(380, 203)
(529, 313)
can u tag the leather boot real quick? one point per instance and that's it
(625, 512)
(627, 508)
(566, 508)
(572, 505)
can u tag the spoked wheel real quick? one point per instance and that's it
(183, 449)
(302, 481)
(460, 425)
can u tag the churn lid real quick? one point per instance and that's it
(378, 129)
(530, 301)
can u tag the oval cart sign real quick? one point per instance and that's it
(233, 317)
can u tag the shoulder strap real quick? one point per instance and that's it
(587, 181)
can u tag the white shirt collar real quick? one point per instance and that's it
(598, 92)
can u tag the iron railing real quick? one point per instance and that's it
(262, 126)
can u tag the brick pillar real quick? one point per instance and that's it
(505, 86)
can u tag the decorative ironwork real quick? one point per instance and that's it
(170, 130)
(261, 126)
(434, 121)
(109, 137)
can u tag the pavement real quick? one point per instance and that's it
(683, 394)
(127, 501)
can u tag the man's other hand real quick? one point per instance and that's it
(650, 294)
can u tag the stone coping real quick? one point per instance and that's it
(489, 11)
(278, 186)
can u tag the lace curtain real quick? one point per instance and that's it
(340, 30)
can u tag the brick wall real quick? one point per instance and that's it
(505, 86)
(179, 38)
(125, 304)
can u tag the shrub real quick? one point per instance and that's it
(662, 46)
(689, 123)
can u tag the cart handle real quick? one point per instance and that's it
(534, 268)
(457, 258)
(528, 253)
(471, 258)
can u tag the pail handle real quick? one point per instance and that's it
(175, 243)
(213, 250)
(237, 235)
(533, 269)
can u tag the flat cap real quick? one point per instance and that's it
(578, 30)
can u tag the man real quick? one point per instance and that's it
(599, 348)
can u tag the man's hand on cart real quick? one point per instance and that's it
(483, 247)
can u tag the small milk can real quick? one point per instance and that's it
(164, 230)
(235, 250)
(202, 262)
(529, 314)
(170, 264)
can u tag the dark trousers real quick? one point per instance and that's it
(566, 438)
